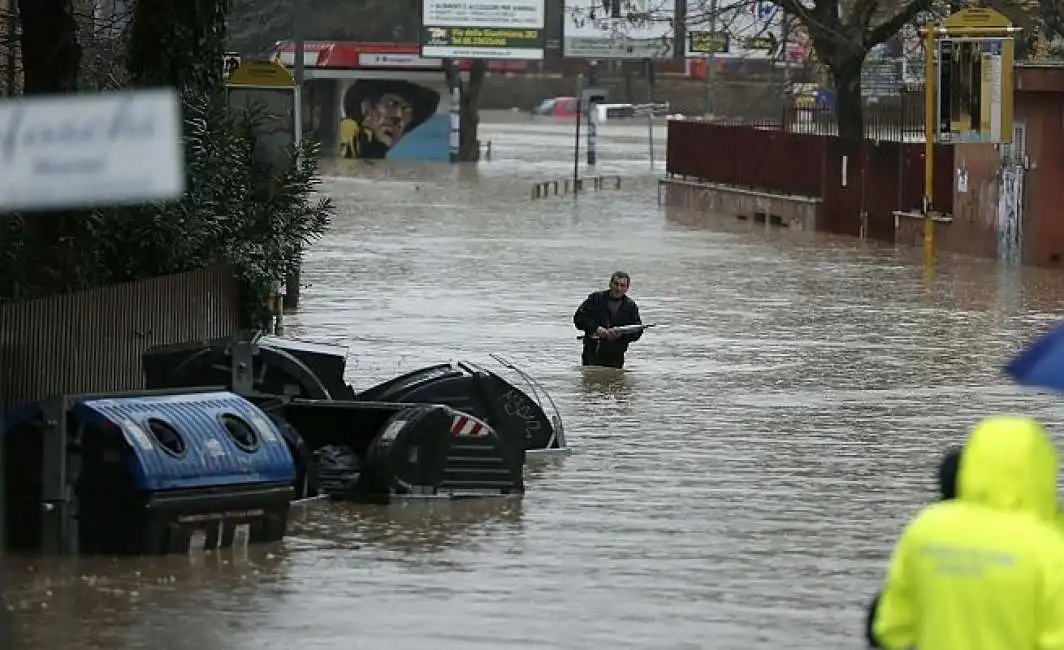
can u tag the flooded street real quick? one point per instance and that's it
(739, 485)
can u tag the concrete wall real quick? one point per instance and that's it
(794, 212)
(1043, 115)
(972, 228)
(975, 227)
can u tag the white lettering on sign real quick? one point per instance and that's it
(375, 60)
(518, 14)
(91, 149)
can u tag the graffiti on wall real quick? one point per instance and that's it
(1010, 215)
(394, 119)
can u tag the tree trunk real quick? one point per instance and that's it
(848, 104)
(179, 44)
(469, 116)
(51, 55)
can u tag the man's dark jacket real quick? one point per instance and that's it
(593, 313)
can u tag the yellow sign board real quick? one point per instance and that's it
(706, 42)
(973, 78)
(979, 18)
(262, 74)
(975, 90)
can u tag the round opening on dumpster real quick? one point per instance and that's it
(240, 432)
(167, 437)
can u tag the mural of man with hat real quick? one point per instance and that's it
(380, 112)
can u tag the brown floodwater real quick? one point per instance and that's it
(739, 485)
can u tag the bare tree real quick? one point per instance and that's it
(51, 53)
(842, 36)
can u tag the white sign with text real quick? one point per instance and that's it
(83, 150)
(483, 29)
(618, 29)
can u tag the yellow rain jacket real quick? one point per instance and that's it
(984, 571)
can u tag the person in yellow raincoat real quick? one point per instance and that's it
(984, 570)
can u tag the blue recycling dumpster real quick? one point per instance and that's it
(156, 474)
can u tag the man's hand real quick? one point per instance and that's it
(602, 332)
(612, 334)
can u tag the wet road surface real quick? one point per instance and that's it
(738, 486)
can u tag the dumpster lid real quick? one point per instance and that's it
(268, 340)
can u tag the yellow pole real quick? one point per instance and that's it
(929, 146)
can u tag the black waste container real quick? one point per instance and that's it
(472, 389)
(280, 366)
(434, 451)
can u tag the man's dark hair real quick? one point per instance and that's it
(621, 275)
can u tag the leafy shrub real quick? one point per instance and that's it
(238, 210)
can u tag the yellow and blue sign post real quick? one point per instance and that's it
(968, 91)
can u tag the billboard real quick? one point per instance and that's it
(619, 29)
(746, 30)
(483, 29)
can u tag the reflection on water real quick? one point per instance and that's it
(608, 383)
(409, 528)
(139, 602)
(738, 485)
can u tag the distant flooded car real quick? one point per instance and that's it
(567, 107)
(556, 107)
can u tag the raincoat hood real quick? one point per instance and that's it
(1009, 464)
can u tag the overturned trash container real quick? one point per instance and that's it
(152, 474)
(515, 415)
(425, 451)
(252, 363)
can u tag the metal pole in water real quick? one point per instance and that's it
(711, 62)
(456, 112)
(650, 109)
(929, 147)
(576, 150)
(291, 295)
(298, 56)
(592, 129)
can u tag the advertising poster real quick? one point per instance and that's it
(619, 29)
(483, 29)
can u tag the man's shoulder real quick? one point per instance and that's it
(956, 520)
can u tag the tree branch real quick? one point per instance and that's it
(908, 13)
(861, 15)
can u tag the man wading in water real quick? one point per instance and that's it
(599, 314)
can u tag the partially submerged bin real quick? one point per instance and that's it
(377, 451)
(252, 363)
(433, 451)
(468, 387)
(148, 474)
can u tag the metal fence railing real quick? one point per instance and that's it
(899, 120)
